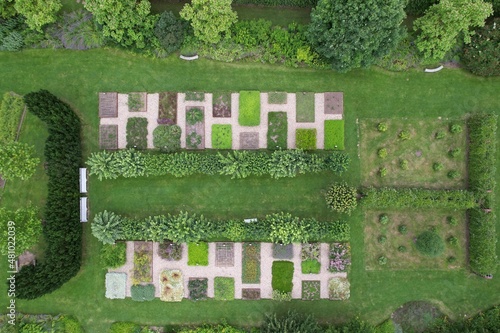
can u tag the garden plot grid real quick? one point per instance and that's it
(303, 111)
(225, 260)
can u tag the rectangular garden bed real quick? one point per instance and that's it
(167, 111)
(137, 133)
(195, 127)
(221, 104)
(334, 134)
(249, 113)
(305, 107)
(222, 136)
(143, 262)
(277, 129)
(251, 263)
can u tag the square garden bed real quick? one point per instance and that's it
(198, 288)
(194, 96)
(143, 262)
(224, 288)
(137, 102)
(108, 137)
(305, 138)
(221, 105)
(224, 254)
(339, 288)
(305, 107)
(311, 290)
(334, 135)
(170, 251)
(116, 285)
(250, 293)
(283, 251)
(340, 257)
(310, 255)
(198, 254)
(277, 97)
(222, 136)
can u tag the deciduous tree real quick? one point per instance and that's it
(17, 160)
(28, 228)
(38, 12)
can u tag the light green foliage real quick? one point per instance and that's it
(26, 224)
(249, 114)
(291, 322)
(282, 272)
(38, 12)
(210, 19)
(334, 134)
(198, 254)
(113, 255)
(445, 21)
(17, 160)
(7, 8)
(106, 227)
(222, 136)
(305, 138)
(310, 266)
(342, 198)
(128, 22)
(223, 288)
(286, 229)
(10, 115)
(124, 327)
(355, 33)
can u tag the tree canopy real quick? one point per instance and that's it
(38, 12)
(445, 21)
(17, 160)
(355, 33)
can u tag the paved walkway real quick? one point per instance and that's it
(211, 271)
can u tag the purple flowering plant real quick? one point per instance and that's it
(340, 257)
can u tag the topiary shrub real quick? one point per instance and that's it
(342, 198)
(382, 153)
(167, 138)
(481, 56)
(440, 135)
(453, 174)
(404, 165)
(404, 135)
(383, 219)
(382, 127)
(403, 229)
(430, 244)
(455, 152)
(455, 128)
(437, 166)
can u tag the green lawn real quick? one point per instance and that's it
(249, 108)
(77, 77)
(334, 134)
(305, 107)
(282, 276)
(277, 129)
(222, 136)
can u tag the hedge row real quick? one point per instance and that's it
(184, 227)
(482, 170)
(237, 164)
(295, 3)
(417, 198)
(62, 229)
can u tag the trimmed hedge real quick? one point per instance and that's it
(237, 164)
(482, 170)
(62, 229)
(249, 113)
(395, 198)
(185, 228)
(334, 134)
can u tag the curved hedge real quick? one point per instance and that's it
(62, 229)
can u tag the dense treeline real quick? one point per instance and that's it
(482, 170)
(296, 3)
(237, 164)
(61, 229)
(184, 227)
(417, 198)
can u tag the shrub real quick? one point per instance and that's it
(249, 113)
(223, 288)
(451, 260)
(402, 249)
(77, 31)
(382, 172)
(481, 55)
(137, 133)
(194, 116)
(452, 220)
(382, 153)
(167, 138)
(334, 134)
(28, 229)
(222, 136)
(453, 174)
(437, 166)
(305, 138)
(342, 198)
(124, 327)
(310, 266)
(17, 160)
(404, 135)
(482, 241)
(170, 251)
(452, 240)
(11, 110)
(386, 327)
(291, 322)
(430, 244)
(113, 256)
(455, 128)
(198, 289)
(198, 254)
(382, 239)
(294, 3)
(141, 293)
(171, 285)
(382, 127)
(340, 257)
(170, 31)
(455, 152)
(404, 165)
(403, 229)
(383, 219)
(286, 229)
(107, 227)
(382, 260)
(282, 274)
(280, 296)
(440, 135)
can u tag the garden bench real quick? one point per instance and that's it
(189, 57)
(250, 220)
(83, 209)
(433, 70)
(83, 180)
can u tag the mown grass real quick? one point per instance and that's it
(222, 136)
(277, 129)
(198, 254)
(282, 272)
(249, 108)
(305, 107)
(334, 134)
(77, 77)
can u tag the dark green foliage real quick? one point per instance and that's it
(305, 138)
(62, 229)
(198, 289)
(418, 7)
(455, 152)
(310, 266)
(383, 219)
(355, 325)
(402, 248)
(137, 133)
(167, 138)
(170, 31)
(455, 128)
(452, 220)
(484, 322)
(251, 33)
(282, 276)
(291, 322)
(141, 293)
(440, 135)
(194, 116)
(342, 198)
(113, 255)
(170, 251)
(437, 166)
(403, 229)
(382, 239)
(482, 55)
(11, 33)
(295, 3)
(124, 327)
(453, 174)
(482, 241)
(416, 316)
(430, 244)
(77, 31)
(417, 198)
(355, 33)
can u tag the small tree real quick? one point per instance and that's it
(27, 225)
(106, 227)
(38, 12)
(482, 55)
(445, 21)
(170, 32)
(17, 160)
(342, 198)
(210, 19)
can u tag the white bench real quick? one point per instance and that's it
(433, 70)
(83, 180)
(83, 209)
(250, 220)
(189, 58)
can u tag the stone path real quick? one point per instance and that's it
(211, 271)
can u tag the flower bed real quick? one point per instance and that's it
(116, 285)
(282, 251)
(339, 288)
(251, 263)
(141, 293)
(143, 260)
(310, 256)
(340, 257)
(311, 290)
(222, 137)
(170, 251)
(198, 288)
(224, 288)
(282, 276)
(171, 285)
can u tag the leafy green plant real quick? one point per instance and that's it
(382, 260)
(198, 288)
(142, 272)
(382, 153)
(286, 229)
(455, 128)
(124, 327)
(382, 172)
(198, 254)
(455, 152)
(430, 244)
(28, 227)
(451, 260)
(282, 274)
(17, 160)
(402, 249)
(305, 138)
(310, 266)
(383, 219)
(481, 55)
(167, 138)
(404, 165)
(223, 288)
(11, 109)
(113, 255)
(342, 198)
(290, 322)
(440, 135)
(193, 140)
(404, 135)
(452, 220)
(249, 114)
(251, 263)
(135, 102)
(452, 240)
(107, 227)
(403, 229)
(170, 31)
(170, 251)
(453, 174)
(334, 134)
(382, 239)
(194, 116)
(382, 127)
(281, 296)
(141, 293)
(222, 136)
(137, 133)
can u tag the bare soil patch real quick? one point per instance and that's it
(221, 105)
(108, 137)
(167, 108)
(108, 105)
(334, 103)
(249, 140)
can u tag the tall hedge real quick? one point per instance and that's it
(482, 169)
(417, 198)
(295, 3)
(62, 229)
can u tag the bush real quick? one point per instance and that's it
(403, 229)
(113, 256)
(455, 129)
(404, 165)
(404, 135)
(11, 33)
(194, 116)
(383, 219)
(124, 327)
(452, 220)
(382, 127)
(334, 134)
(223, 288)
(440, 135)
(222, 136)
(382, 172)
(451, 260)
(249, 113)
(141, 293)
(170, 251)
(28, 229)
(452, 240)
(170, 31)
(482, 55)
(292, 3)
(11, 110)
(382, 260)
(62, 229)
(430, 244)
(167, 138)
(342, 198)
(282, 272)
(382, 239)
(77, 31)
(17, 160)
(198, 254)
(305, 138)
(310, 266)
(382, 153)
(198, 289)
(291, 322)
(482, 241)
(386, 327)
(455, 152)
(453, 174)
(137, 133)
(437, 166)
(402, 249)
